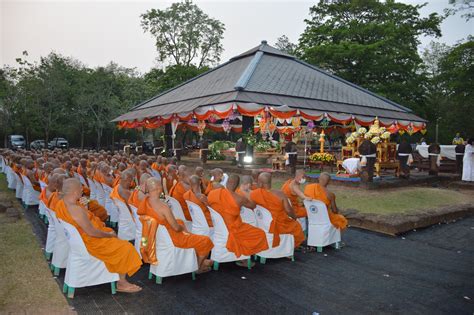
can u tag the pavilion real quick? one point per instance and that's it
(266, 82)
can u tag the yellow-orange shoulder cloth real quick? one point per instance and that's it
(300, 210)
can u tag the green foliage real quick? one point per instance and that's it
(250, 138)
(283, 43)
(184, 34)
(216, 147)
(372, 44)
(262, 146)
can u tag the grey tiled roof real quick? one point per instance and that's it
(267, 76)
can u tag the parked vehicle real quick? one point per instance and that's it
(16, 142)
(59, 143)
(38, 145)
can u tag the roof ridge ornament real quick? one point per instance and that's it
(245, 77)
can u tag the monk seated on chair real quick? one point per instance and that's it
(244, 239)
(217, 180)
(153, 207)
(245, 186)
(194, 194)
(321, 193)
(119, 256)
(30, 173)
(204, 182)
(170, 178)
(277, 203)
(50, 194)
(292, 190)
(180, 188)
(138, 194)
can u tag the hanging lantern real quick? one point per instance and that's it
(423, 131)
(410, 129)
(201, 126)
(401, 131)
(226, 126)
(271, 129)
(263, 126)
(310, 126)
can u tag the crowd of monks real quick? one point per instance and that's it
(143, 182)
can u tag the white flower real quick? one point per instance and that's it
(368, 135)
(362, 130)
(375, 140)
(385, 135)
(350, 140)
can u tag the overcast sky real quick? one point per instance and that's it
(97, 32)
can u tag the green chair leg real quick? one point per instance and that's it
(263, 260)
(249, 263)
(56, 271)
(46, 221)
(51, 266)
(159, 280)
(319, 249)
(65, 288)
(150, 276)
(293, 258)
(193, 275)
(113, 287)
(216, 266)
(48, 255)
(70, 292)
(255, 257)
(337, 245)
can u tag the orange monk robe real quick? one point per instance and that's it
(44, 178)
(96, 209)
(177, 192)
(281, 223)
(52, 201)
(42, 196)
(116, 181)
(317, 192)
(191, 196)
(244, 239)
(300, 210)
(133, 199)
(119, 256)
(155, 166)
(210, 187)
(253, 186)
(201, 244)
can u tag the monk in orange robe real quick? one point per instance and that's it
(54, 186)
(47, 169)
(170, 177)
(283, 215)
(321, 193)
(157, 166)
(29, 172)
(291, 189)
(216, 180)
(255, 174)
(245, 186)
(119, 256)
(244, 239)
(195, 195)
(152, 206)
(180, 188)
(138, 194)
(204, 182)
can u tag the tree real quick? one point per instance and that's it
(158, 80)
(457, 81)
(283, 43)
(372, 44)
(184, 34)
(465, 6)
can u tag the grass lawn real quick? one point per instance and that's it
(26, 284)
(400, 200)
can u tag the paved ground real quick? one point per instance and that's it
(424, 272)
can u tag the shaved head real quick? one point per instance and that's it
(59, 171)
(199, 171)
(71, 185)
(324, 179)
(144, 178)
(255, 174)
(265, 180)
(233, 182)
(153, 184)
(246, 179)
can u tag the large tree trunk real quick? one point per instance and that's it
(82, 137)
(99, 135)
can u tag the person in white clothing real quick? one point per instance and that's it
(468, 162)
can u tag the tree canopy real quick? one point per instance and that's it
(185, 35)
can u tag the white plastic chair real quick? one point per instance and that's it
(126, 224)
(42, 184)
(100, 193)
(50, 234)
(42, 211)
(2, 164)
(30, 196)
(61, 246)
(320, 230)
(172, 261)
(138, 229)
(93, 189)
(11, 179)
(199, 223)
(83, 270)
(109, 205)
(248, 216)
(219, 253)
(155, 173)
(178, 211)
(19, 186)
(286, 247)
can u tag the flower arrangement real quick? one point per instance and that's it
(362, 130)
(368, 135)
(350, 140)
(250, 138)
(321, 157)
(263, 146)
(375, 140)
(385, 135)
(355, 134)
